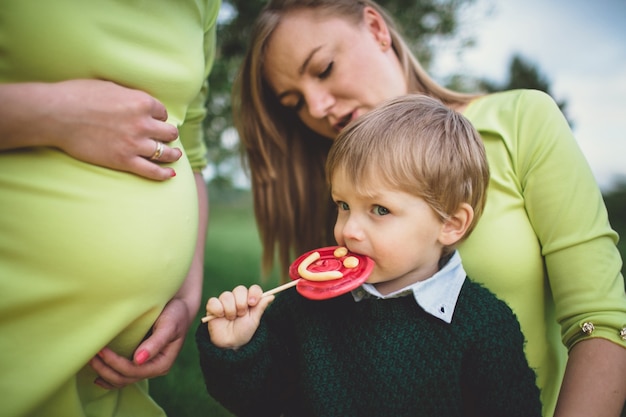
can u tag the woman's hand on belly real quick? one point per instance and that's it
(153, 357)
(94, 121)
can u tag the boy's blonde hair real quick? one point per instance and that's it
(417, 145)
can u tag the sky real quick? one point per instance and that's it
(579, 46)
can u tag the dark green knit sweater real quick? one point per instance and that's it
(376, 358)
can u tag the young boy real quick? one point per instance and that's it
(418, 338)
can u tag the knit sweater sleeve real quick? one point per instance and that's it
(497, 377)
(249, 381)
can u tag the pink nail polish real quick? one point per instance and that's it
(173, 174)
(141, 356)
(101, 354)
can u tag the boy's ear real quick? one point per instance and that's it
(455, 226)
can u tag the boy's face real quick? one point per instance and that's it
(399, 231)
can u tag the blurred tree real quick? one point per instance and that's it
(615, 201)
(524, 74)
(420, 21)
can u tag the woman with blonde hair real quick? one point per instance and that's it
(543, 244)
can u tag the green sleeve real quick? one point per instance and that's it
(568, 214)
(191, 131)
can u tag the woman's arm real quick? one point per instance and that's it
(594, 382)
(582, 261)
(122, 124)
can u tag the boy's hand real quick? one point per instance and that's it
(237, 316)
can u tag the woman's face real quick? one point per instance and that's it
(330, 70)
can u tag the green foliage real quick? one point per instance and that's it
(419, 21)
(523, 74)
(615, 201)
(422, 21)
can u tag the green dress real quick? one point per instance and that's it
(89, 256)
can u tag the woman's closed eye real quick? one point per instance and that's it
(326, 72)
(299, 103)
(292, 101)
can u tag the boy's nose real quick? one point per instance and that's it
(352, 230)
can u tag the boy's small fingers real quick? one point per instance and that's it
(214, 307)
(229, 305)
(264, 302)
(240, 294)
(254, 295)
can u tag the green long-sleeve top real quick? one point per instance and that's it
(544, 244)
(376, 357)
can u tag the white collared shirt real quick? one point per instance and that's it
(437, 295)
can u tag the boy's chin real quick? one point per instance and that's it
(376, 278)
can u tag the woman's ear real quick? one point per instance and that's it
(377, 27)
(455, 226)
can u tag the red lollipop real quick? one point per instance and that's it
(329, 272)
(325, 273)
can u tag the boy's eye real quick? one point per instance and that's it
(343, 206)
(380, 210)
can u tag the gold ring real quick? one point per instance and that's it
(158, 151)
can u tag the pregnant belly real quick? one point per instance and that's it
(88, 243)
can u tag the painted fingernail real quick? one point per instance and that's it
(141, 356)
(101, 354)
(172, 173)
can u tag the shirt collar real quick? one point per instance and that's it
(437, 295)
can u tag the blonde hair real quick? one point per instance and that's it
(417, 145)
(286, 159)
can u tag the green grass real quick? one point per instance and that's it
(232, 257)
